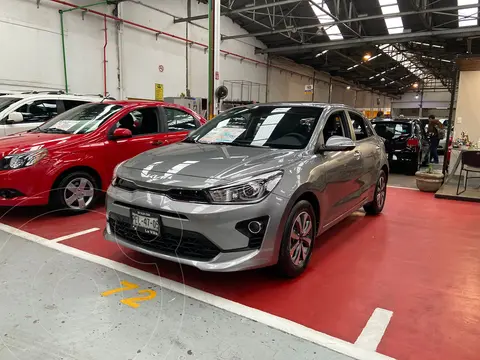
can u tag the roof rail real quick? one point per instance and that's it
(108, 97)
(49, 92)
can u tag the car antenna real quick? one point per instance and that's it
(107, 95)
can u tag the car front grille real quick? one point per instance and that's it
(174, 242)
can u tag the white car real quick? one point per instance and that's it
(442, 143)
(22, 112)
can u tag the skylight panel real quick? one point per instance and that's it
(394, 24)
(465, 15)
(390, 9)
(333, 32)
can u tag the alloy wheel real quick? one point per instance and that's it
(79, 193)
(381, 191)
(301, 237)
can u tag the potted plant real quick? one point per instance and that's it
(429, 180)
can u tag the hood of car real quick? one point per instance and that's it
(24, 142)
(219, 162)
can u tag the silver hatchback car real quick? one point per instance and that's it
(253, 187)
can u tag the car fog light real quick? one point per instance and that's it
(255, 227)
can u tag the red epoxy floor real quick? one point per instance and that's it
(419, 259)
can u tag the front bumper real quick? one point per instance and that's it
(203, 225)
(31, 183)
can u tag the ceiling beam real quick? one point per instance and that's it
(240, 10)
(384, 39)
(348, 21)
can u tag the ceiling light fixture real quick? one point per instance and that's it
(321, 53)
(415, 85)
(367, 56)
(348, 87)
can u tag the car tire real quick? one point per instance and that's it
(376, 206)
(76, 192)
(295, 253)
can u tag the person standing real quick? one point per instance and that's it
(379, 116)
(434, 132)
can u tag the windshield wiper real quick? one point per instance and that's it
(55, 131)
(189, 140)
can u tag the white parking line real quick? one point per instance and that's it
(80, 233)
(276, 322)
(373, 332)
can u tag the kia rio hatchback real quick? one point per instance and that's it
(69, 160)
(253, 187)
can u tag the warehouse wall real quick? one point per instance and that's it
(290, 85)
(37, 63)
(467, 117)
(434, 102)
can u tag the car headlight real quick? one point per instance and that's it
(18, 161)
(247, 191)
(114, 178)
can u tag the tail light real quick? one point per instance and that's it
(412, 142)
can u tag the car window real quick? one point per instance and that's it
(391, 130)
(283, 127)
(81, 119)
(39, 110)
(5, 102)
(359, 126)
(140, 122)
(178, 120)
(70, 104)
(335, 126)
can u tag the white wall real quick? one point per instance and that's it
(467, 117)
(290, 85)
(38, 63)
(431, 99)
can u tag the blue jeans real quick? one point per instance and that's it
(434, 140)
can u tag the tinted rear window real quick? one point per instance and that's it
(392, 130)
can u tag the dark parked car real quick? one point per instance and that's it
(405, 141)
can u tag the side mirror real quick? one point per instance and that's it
(338, 143)
(121, 133)
(14, 117)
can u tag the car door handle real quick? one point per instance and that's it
(378, 148)
(357, 155)
(157, 142)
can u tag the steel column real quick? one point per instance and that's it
(450, 120)
(213, 55)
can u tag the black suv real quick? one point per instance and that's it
(405, 141)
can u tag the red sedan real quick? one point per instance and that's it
(69, 160)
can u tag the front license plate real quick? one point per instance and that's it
(145, 222)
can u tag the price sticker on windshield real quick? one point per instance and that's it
(223, 134)
(65, 124)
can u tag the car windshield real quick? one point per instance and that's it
(6, 101)
(283, 127)
(82, 119)
(392, 130)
